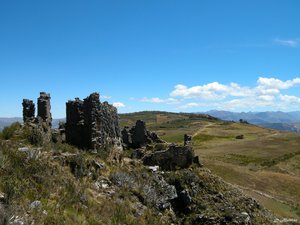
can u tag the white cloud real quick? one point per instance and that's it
(105, 97)
(211, 91)
(289, 99)
(190, 105)
(169, 101)
(268, 93)
(288, 42)
(266, 98)
(119, 104)
(273, 83)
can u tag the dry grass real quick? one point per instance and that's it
(266, 161)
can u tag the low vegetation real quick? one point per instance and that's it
(60, 184)
(265, 163)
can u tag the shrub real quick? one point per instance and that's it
(9, 131)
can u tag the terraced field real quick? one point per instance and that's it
(265, 164)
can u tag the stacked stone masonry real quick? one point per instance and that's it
(91, 124)
(44, 108)
(28, 110)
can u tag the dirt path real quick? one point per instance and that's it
(202, 129)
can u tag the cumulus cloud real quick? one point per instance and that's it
(119, 104)
(169, 101)
(273, 83)
(289, 99)
(267, 94)
(288, 42)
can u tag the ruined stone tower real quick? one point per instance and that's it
(91, 124)
(39, 126)
(28, 110)
(44, 108)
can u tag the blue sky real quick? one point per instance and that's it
(152, 55)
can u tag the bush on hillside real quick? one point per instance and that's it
(8, 132)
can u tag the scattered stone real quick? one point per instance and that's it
(102, 183)
(153, 168)
(35, 205)
(31, 153)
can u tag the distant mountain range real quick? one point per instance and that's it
(4, 122)
(284, 121)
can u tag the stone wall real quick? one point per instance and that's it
(91, 124)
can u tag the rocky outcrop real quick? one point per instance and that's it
(173, 158)
(138, 136)
(93, 125)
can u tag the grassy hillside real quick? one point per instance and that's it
(56, 183)
(265, 164)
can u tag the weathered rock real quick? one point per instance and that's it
(138, 136)
(28, 110)
(36, 204)
(93, 125)
(158, 193)
(174, 157)
(33, 154)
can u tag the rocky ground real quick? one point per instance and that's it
(60, 184)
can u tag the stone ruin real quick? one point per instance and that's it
(28, 110)
(91, 124)
(173, 157)
(155, 152)
(138, 136)
(44, 108)
(187, 140)
(41, 125)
